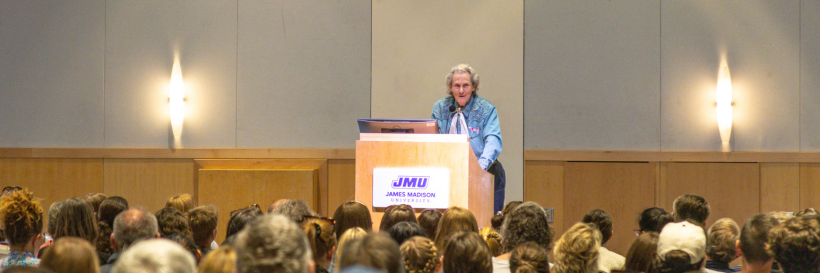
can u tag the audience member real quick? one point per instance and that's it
(109, 209)
(53, 211)
(295, 210)
(607, 260)
(130, 227)
(721, 247)
(454, 219)
(172, 221)
(374, 250)
(526, 223)
(493, 240)
(653, 219)
(404, 230)
(352, 214)
(239, 218)
(182, 202)
(498, 219)
(693, 208)
(188, 244)
(395, 214)
(751, 244)
(420, 255)
(272, 243)
(221, 260)
(155, 255)
(642, 252)
(322, 241)
(795, 244)
(681, 248)
(95, 199)
(465, 252)
(352, 234)
(203, 221)
(529, 258)
(71, 254)
(76, 219)
(428, 220)
(22, 221)
(577, 250)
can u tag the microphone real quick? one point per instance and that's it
(452, 108)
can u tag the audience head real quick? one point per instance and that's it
(691, 207)
(351, 235)
(420, 255)
(95, 199)
(653, 219)
(577, 250)
(396, 214)
(529, 258)
(465, 252)
(109, 209)
(182, 202)
(202, 220)
(807, 211)
(721, 240)
(428, 220)
(527, 223)
(322, 241)
(272, 243)
(600, 220)
(642, 252)
(221, 260)
(296, 210)
(155, 255)
(352, 214)
(132, 226)
(71, 254)
(795, 244)
(753, 237)
(22, 217)
(76, 219)
(404, 230)
(681, 247)
(375, 250)
(172, 221)
(241, 217)
(493, 240)
(454, 219)
(187, 243)
(53, 211)
(498, 218)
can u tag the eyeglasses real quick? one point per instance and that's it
(254, 206)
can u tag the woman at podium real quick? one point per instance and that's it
(464, 112)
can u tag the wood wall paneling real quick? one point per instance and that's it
(809, 185)
(341, 182)
(779, 187)
(621, 189)
(149, 182)
(544, 184)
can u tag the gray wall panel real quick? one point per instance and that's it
(810, 76)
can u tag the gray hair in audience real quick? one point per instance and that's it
(296, 210)
(157, 256)
(53, 211)
(133, 225)
(272, 243)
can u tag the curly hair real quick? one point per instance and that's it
(466, 252)
(108, 211)
(493, 240)
(577, 250)
(454, 219)
(529, 258)
(498, 218)
(22, 217)
(172, 221)
(795, 244)
(462, 68)
(721, 239)
(527, 223)
(420, 255)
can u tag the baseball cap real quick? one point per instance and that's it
(683, 236)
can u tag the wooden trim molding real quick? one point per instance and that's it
(652, 156)
(175, 153)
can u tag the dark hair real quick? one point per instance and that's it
(795, 244)
(76, 219)
(527, 223)
(601, 221)
(202, 220)
(454, 219)
(529, 258)
(807, 211)
(641, 254)
(109, 209)
(172, 221)
(428, 220)
(398, 213)
(677, 261)
(374, 250)
(753, 238)
(352, 214)
(22, 217)
(653, 219)
(465, 252)
(691, 207)
(240, 218)
(187, 243)
(498, 218)
(95, 199)
(404, 230)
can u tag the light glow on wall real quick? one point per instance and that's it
(176, 98)
(724, 104)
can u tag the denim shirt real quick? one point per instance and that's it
(482, 122)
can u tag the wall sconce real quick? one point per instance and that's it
(724, 104)
(176, 99)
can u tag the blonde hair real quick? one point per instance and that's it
(22, 217)
(577, 250)
(454, 219)
(182, 202)
(420, 255)
(222, 260)
(493, 240)
(352, 234)
(720, 243)
(71, 254)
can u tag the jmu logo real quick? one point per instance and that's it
(411, 182)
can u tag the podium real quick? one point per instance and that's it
(471, 187)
